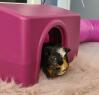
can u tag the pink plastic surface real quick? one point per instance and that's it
(89, 30)
(23, 31)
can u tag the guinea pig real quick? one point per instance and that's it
(55, 61)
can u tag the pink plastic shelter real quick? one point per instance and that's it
(23, 31)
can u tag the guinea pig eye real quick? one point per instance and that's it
(50, 59)
(60, 61)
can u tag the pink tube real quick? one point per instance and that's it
(89, 30)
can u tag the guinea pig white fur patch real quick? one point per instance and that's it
(61, 51)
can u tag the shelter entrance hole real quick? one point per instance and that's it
(54, 38)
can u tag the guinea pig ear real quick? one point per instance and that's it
(67, 50)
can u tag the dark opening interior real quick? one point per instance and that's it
(55, 37)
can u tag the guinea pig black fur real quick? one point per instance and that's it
(55, 61)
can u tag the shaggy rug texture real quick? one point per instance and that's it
(82, 77)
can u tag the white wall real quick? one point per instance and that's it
(60, 3)
(90, 10)
(34, 1)
(64, 4)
